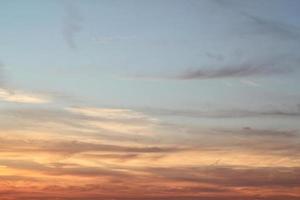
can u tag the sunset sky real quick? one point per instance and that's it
(150, 100)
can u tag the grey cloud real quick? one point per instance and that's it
(214, 56)
(71, 24)
(110, 39)
(275, 28)
(254, 67)
(3, 77)
(230, 113)
(234, 71)
(248, 131)
(122, 156)
(261, 25)
(54, 170)
(73, 147)
(1, 73)
(234, 175)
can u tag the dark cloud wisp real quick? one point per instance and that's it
(71, 24)
(234, 71)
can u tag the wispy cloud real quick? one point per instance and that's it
(110, 39)
(116, 120)
(272, 66)
(235, 175)
(261, 25)
(2, 77)
(250, 83)
(71, 23)
(10, 94)
(269, 27)
(108, 113)
(292, 111)
(67, 147)
(22, 97)
(237, 71)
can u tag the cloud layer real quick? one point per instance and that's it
(44, 150)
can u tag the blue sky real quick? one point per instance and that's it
(126, 53)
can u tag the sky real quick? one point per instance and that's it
(153, 100)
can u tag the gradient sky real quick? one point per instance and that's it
(153, 100)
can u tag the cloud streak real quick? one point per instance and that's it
(235, 175)
(71, 23)
(22, 97)
(261, 25)
(234, 71)
(2, 76)
(9, 94)
(269, 27)
(255, 67)
(73, 147)
(230, 113)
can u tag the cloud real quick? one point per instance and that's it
(261, 25)
(22, 97)
(269, 27)
(121, 131)
(115, 120)
(72, 147)
(103, 40)
(2, 77)
(250, 83)
(9, 94)
(292, 111)
(254, 67)
(71, 24)
(233, 71)
(248, 131)
(236, 176)
(75, 170)
(55, 121)
(109, 113)
(274, 54)
(165, 182)
(67, 156)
